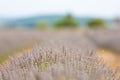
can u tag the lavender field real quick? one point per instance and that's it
(58, 54)
(65, 40)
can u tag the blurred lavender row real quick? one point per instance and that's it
(63, 55)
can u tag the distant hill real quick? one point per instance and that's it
(31, 22)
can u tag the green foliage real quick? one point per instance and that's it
(66, 22)
(44, 66)
(94, 23)
(42, 25)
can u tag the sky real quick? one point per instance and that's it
(24, 8)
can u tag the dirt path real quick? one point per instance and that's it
(5, 56)
(111, 58)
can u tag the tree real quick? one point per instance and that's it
(42, 25)
(66, 22)
(94, 23)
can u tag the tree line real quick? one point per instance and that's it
(69, 21)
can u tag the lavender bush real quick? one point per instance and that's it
(62, 57)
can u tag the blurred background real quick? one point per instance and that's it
(24, 23)
(30, 14)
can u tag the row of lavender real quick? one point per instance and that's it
(62, 56)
